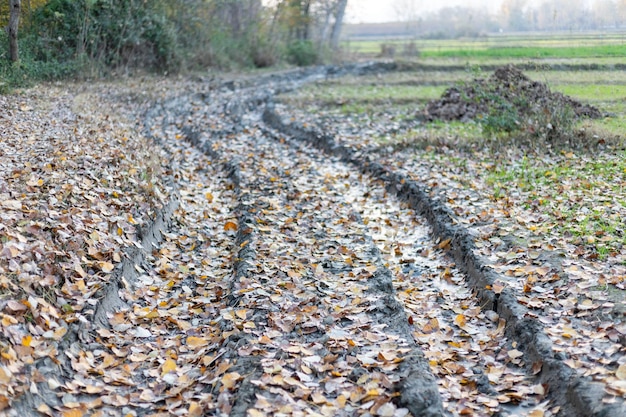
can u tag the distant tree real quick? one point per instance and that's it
(339, 15)
(14, 23)
(513, 16)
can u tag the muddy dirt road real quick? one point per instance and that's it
(291, 275)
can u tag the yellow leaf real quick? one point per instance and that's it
(106, 267)
(230, 226)
(195, 409)
(445, 244)
(209, 197)
(168, 366)
(73, 413)
(621, 372)
(196, 342)
(341, 401)
(230, 379)
(372, 393)
(59, 333)
(460, 320)
(242, 314)
(153, 314)
(26, 340)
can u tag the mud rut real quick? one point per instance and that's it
(293, 276)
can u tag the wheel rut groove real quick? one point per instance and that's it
(427, 283)
(264, 189)
(574, 394)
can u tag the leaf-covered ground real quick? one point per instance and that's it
(551, 224)
(166, 252)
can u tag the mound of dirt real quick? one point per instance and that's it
(507, 86)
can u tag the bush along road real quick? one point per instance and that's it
(286, 273)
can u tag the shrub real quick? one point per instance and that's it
(302, 53)
(111, 33)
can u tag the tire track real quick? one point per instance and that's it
(570, 393)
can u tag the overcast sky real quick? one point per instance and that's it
(387, 10)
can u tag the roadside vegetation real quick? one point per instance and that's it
(60, 39)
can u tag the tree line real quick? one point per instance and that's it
(512, 16)
(62, 37)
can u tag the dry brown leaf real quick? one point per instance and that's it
(196, 342)
(168, 366)
(229, 380)
(106, 267)
(444, 244)
(230, 226)
(195, 409)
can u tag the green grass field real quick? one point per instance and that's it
(509, 46)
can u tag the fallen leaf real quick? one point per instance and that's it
(229, 380)
(106, 267)
(168, 366)
(230, 226)
(444, 244)
(196, 342)
(460, 320)
(195, 409)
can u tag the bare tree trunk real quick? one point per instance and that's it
(328, 13)
(14, 22)
(341, 11)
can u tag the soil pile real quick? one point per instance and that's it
(507, 86)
